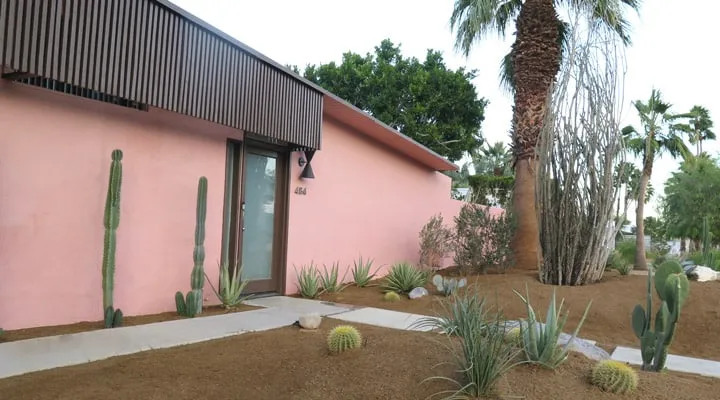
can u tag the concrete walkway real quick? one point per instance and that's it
(674, 363)
(17, 358)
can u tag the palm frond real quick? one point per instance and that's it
(475, 19)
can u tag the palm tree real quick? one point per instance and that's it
(657, 138)
(529, 71)
(492, 160)
(698, 127)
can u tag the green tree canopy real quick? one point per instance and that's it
(692, 193)
(426, 101)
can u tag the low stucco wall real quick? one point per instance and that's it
(365, 200)
(54, 164)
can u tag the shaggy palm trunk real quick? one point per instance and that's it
(536, 61)
(640, 261)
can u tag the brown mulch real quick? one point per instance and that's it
(30, 333)
(608, 321)
(288, 363)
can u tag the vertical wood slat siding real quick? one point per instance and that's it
(144, 51)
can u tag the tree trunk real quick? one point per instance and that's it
(683, 246)
(640, 261)
(536, 61)
(526, 242)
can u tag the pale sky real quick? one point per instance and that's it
(672, 48)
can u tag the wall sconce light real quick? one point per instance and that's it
(307, 172)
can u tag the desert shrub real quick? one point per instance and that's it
(482, 354)
(540, 340)
(614, 377)
(231, 285)
(482, 240)
(626, 250)
(404, 277)
(620, 264)
(465, 308)
(330, 280)
(435, 243)
(344, 337)
(309, 281)
(361, 272)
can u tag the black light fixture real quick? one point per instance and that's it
(307, 172)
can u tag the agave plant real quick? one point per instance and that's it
(404, 277)
(361, 272)
(464, 309)
(231, 286)
(309, 281)
(540, 341)
(329, 280)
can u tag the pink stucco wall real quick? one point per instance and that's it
(54, 163)
(365, 200)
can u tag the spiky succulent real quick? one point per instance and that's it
(344, 337)
(614, 376)
(513, 337)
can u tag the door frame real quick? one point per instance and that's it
(235, 196)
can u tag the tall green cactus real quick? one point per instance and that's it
(708, 256)
(191, 305)
(673, 288)
(112, 317)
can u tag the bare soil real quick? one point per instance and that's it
(608, 321)
(30, 333)
(289, 363)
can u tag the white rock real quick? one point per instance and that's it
(704, 274)
(310, 321)
(417, 293)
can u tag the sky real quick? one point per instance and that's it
(671, 50)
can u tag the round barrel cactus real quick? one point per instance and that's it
(391, 296)
(614, 376)
(344, 337)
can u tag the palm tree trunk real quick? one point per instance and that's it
(640, 261)
(536, 61)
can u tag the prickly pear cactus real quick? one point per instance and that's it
(344, 337)
(614, 377)
(448, 286)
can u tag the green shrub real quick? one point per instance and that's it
(309, 282)
(625, 249)
(344, 337)
(540, 340)
(231, 285)
(329, 280)
(361, 272)
(435, 243)
(482, 354)
(614, 377)
(482, 240)
(404, 277)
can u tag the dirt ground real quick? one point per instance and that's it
(608, 321)
(22, 334)
(288, 363)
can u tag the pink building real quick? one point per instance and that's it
(182, 100)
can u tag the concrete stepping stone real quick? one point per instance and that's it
(674, 363)
(383, 318)
(299, 306)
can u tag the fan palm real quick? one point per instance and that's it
(529, 70)
(492, 160)
(656, 138)
(698, 127)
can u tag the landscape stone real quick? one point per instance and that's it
(417, 293)
(310, 321)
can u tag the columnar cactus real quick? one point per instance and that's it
(112, 317)
(708, 256)
(614, 377)
(191, 305)
(448, 286)
(344, 337)
(672, 287)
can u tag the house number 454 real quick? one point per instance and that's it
(301, 190)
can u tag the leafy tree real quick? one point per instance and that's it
(436, 106)
(529, 71)
(698, 127)
(656, 228)
(691, 194)
(656, 138)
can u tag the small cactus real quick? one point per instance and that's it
(343, 337)
(513, 336)
(614, 376)
(391, 296)
(448, 286)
